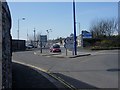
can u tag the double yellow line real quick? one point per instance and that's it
(50, 74)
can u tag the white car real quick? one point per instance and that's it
(29, 46)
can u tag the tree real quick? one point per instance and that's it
(105, 27)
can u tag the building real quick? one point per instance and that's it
(18, 45)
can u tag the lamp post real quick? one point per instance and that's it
(48, 31)
(18, 46)
(19, 27)
(79, 27)
(79, 34)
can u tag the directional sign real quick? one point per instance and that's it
(69, 42)
(43, 38)
(86, 34)
(68, 46)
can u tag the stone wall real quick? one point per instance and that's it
(0, 45)
(5, 46)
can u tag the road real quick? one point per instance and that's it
(99, 70)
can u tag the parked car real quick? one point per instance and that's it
(55, 48)
(29, 46)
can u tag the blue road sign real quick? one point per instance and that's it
(86, 34)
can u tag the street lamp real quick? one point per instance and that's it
(19, 26)
(79, 28)
(79, 34)
(48, 31)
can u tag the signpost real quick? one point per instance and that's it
(43, 38)
(43, 41)
(85, 35)
(69, 43)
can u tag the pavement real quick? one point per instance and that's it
(25, 77)
(65, 54)
(31, 78)
(94, 71)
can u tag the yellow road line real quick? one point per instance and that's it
(46, 71)
(30, 66)
(63, 82)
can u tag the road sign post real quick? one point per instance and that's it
(41, 47)
(65, 48)
(43, 41)
(66, 51)
(85, 35)
(69, 44)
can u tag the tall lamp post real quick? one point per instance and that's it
(75, 42)
(19, 27)
(48, 31)
(79, 34)
(79, 27)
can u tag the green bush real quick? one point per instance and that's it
(104, 48)
(106, 43)
(97, 43)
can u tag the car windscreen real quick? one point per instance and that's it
(56, 46)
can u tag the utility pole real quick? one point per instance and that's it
(75, 42)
